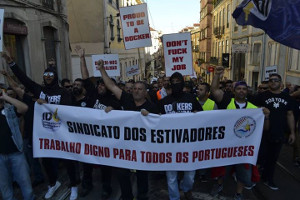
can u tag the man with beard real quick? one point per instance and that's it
(179, 102)
(97, 98)
(281, 114)
(136, 101)
(50, 93)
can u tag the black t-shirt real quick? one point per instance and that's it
(7, 145)
(187, 102)
(128, 103)
(28, 117)
(84, 102)
(94, 100)
(278, 104)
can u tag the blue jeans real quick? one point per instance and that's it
(14, 167)
(185, 185)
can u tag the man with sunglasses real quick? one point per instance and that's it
(281, 115)
(50, 93)
(264, 86)
(225, 101)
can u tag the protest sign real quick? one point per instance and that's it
(127, 139)
(132, 70)
(1, 28)
(111, 64)
(270, 70)
(178, 53)
(135, 24)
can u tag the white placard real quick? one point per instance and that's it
(127, 139)
(240, 48)
(1, 28)
(111, 64)
(270, 70)
(132, 70)
(135, 26)
(178, 53)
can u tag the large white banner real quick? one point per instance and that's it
(132, 70)
(184, 141)
(1, 28)
(178, 53)
(111, 64)
(135, 25)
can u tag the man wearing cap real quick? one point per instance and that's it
(50, 93)
(179, 102)
(243, 172)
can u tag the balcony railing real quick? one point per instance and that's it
(216, 2)
(219, 31)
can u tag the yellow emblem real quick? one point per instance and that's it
(54, 116)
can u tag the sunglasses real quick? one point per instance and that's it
(273, 80)
(51, 74)
(68, 86)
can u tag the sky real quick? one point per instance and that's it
(171, 16)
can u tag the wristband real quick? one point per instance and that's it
(12, 64)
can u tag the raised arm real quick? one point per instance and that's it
(26, 81)
(13, 84)
(107, 81)
(215, 85)
(81, 53)
(20, 106)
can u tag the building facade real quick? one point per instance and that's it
(96, 27)
(34, 32)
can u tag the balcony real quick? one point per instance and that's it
(48, 4)
(196, 48)
(219, 31)
(216, 2)
(214, 61)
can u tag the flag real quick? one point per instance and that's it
(280, 19)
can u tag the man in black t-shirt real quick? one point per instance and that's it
(179, 102)
(279, 104)
(98, 98)
(135, 102)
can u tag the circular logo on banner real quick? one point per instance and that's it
(244, 127)
(51, 120)
(83, 104)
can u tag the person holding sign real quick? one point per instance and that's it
(243, 171)
(136, 101)
(179, 102)
(98, 98)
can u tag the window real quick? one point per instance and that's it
(228, 15)
(117, 4)
(224, 16)
(256, 54)
(293, 59)
(111, 25)
(49, 36)
(227, 46)
(220, 17)
(273, 53)
(48, 4)
(110, 1)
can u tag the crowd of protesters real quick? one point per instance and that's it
(281, 107)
